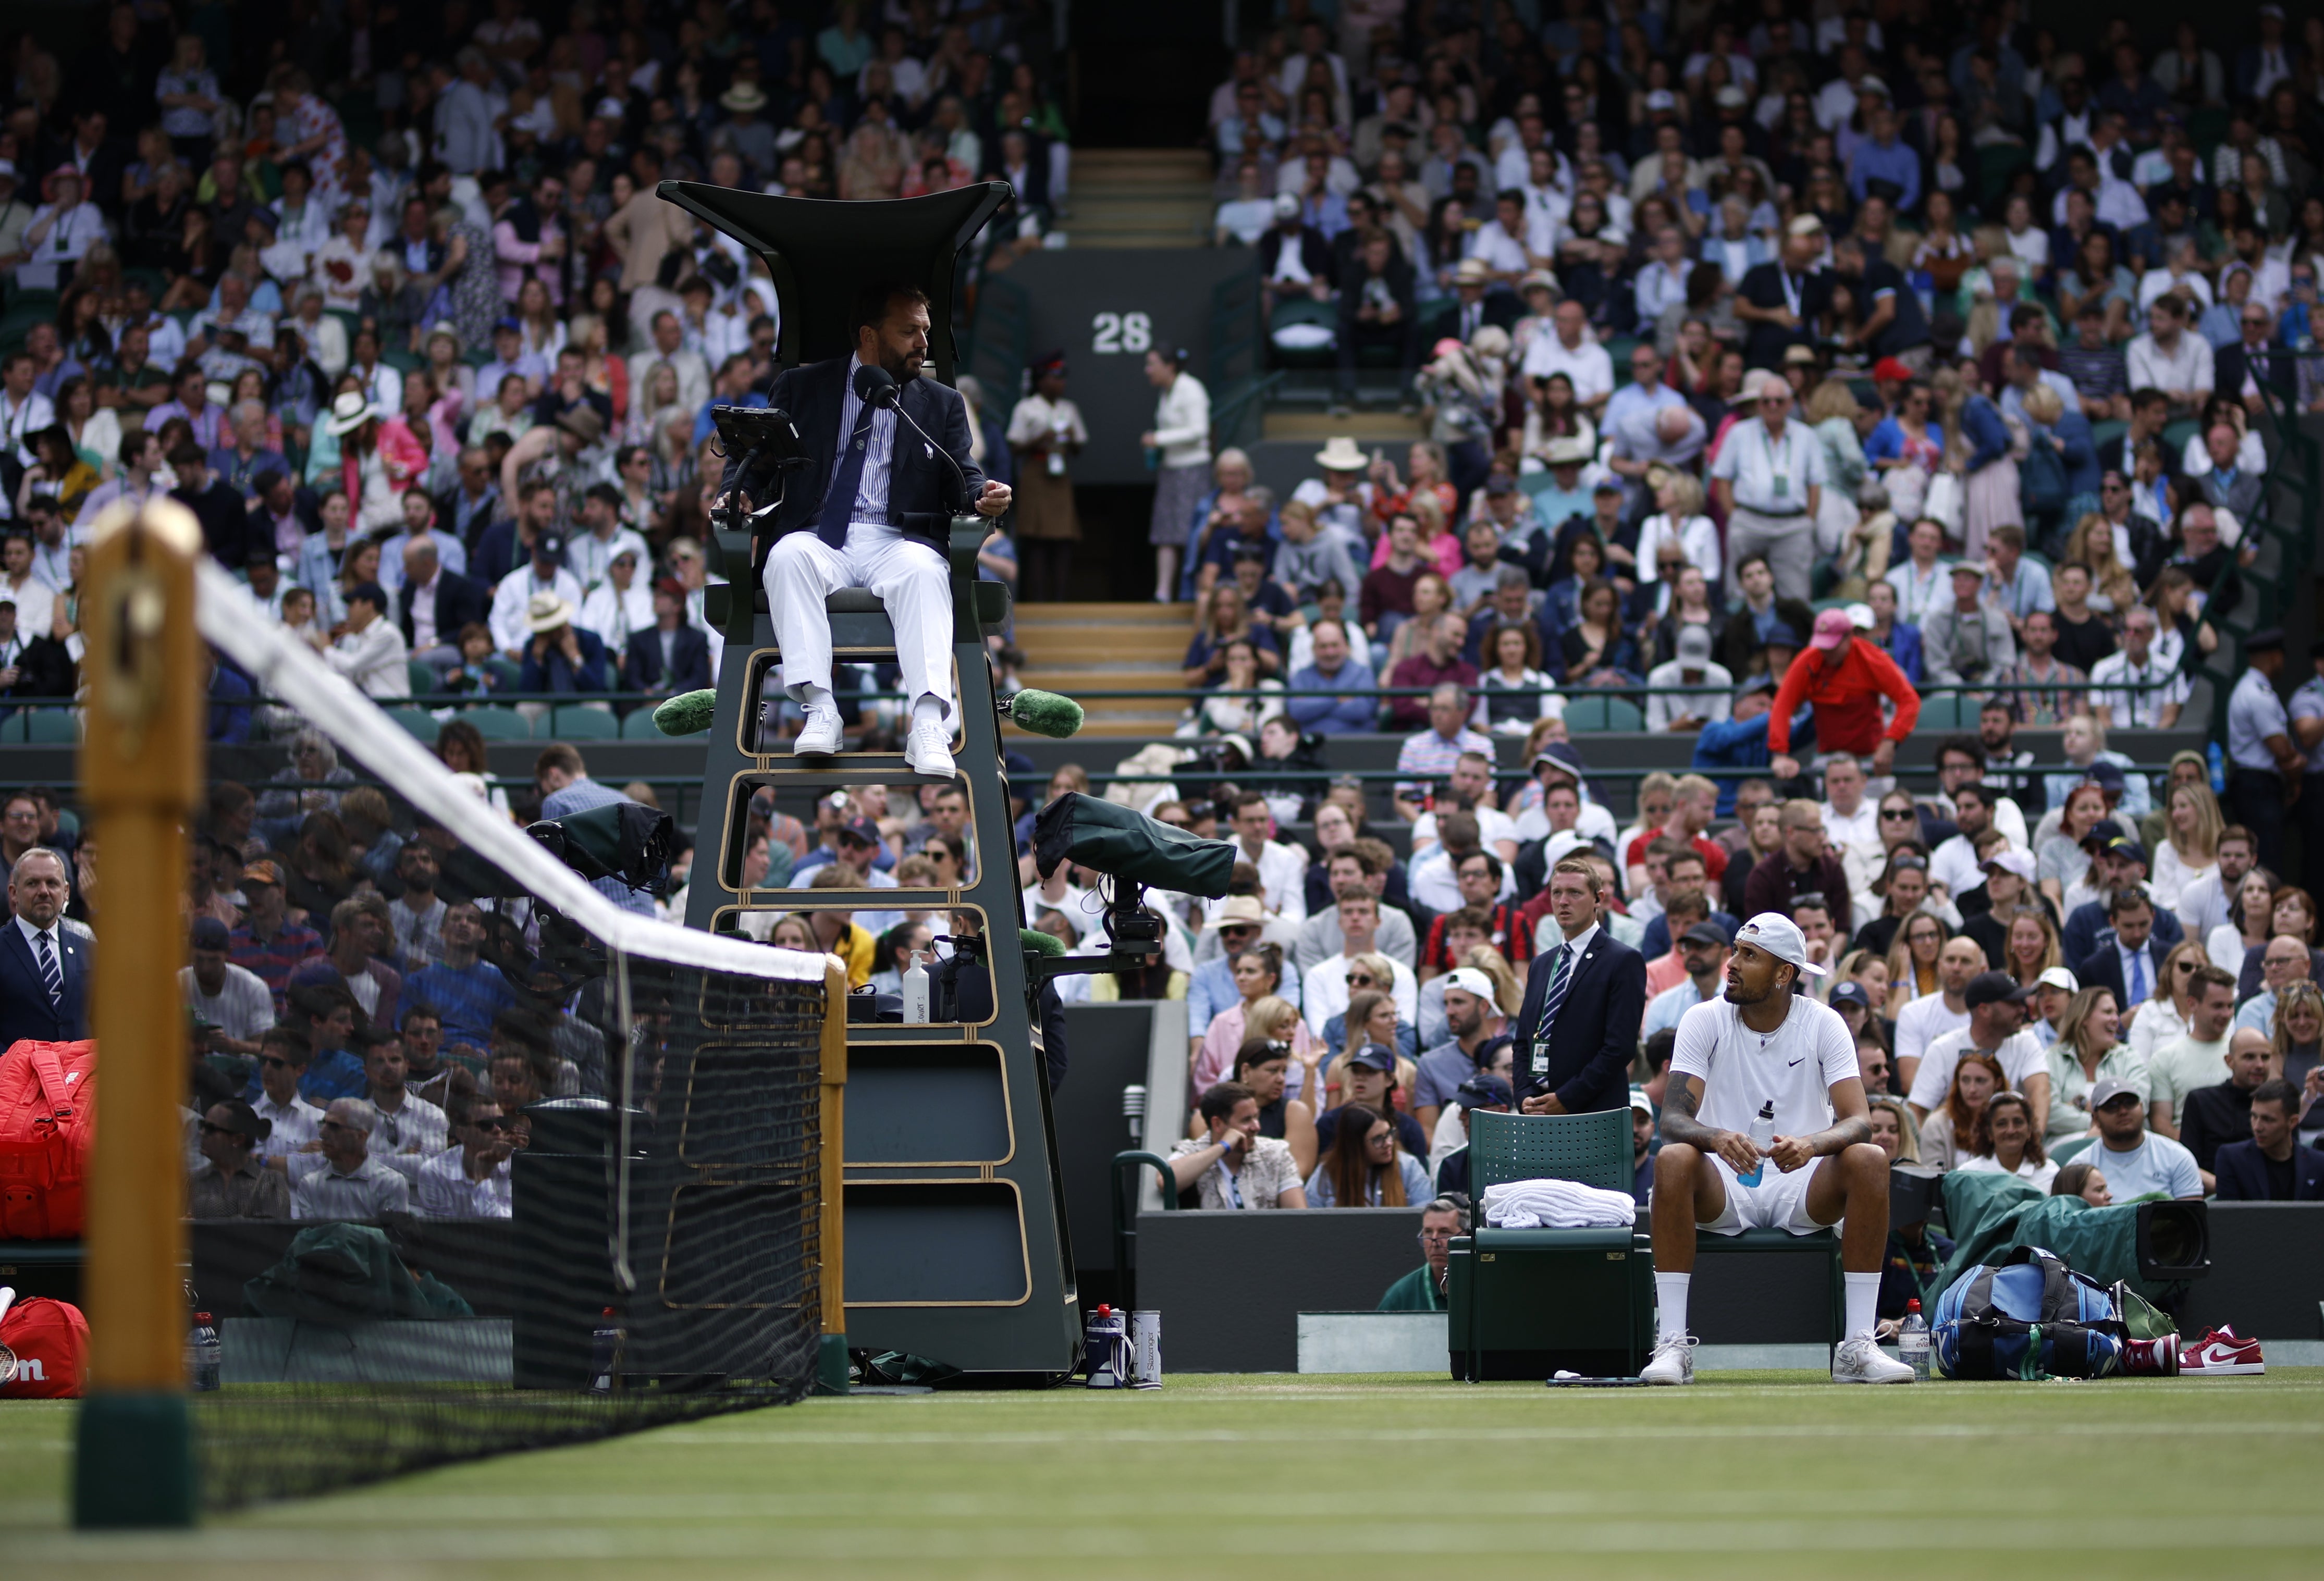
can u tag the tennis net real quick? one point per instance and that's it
(594, 1209)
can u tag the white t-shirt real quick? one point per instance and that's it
(1794, 1066)
(1921, 1022)
(2179, 1067)
(2021, 1056)
(2037, 1175)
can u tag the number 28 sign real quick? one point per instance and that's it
(1121, 332)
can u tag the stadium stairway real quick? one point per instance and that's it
(1139, 198)
(1078, 649)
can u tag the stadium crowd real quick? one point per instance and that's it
(1944, 373)
(390, 302)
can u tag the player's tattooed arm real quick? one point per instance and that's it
(1681, 1100)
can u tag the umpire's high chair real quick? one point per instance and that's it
(956, 1247)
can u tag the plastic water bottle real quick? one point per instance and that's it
(1913, 1341)
(605, 1352)
(204, 1355)
(915, 992)
(1763, 1133)
(2219, 771)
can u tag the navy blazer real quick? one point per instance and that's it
(2102, 968)
(691, 652)
(2088, 932)
(24, 1008)
(921, 484)
(2242, 1174)
(459, 602)
(1586, 1061)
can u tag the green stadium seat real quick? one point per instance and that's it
(422, 677)
(575, 721)
(495, 723)
(506, 673)
(1949, 712)
(640, 726)
(2066, 1152)
(417, 721)
(51, 726)
(1525, 1302)
(1603, 714)
(2176, 435)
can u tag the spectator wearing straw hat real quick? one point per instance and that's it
(379, 458)
(561, 655)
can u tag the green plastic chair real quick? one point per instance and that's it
(51, 727)
(1524, 1303)
(1948, 711)
(640, 726)
(506, 673)
(2065, 1152)
(418, 722)
(495, 723)
(1603, 714)
(422, 677)
(1593, 1149)
(572, 722)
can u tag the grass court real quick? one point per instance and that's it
(1278, 1477)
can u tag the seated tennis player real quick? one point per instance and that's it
(1762, 1044)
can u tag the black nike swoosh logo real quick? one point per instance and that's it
(1795, 1064)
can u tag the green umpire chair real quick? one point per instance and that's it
(1526, 1303)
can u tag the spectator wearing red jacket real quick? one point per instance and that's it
(1843, 678)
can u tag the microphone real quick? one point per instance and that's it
(876, 387)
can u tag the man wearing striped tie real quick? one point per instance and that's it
(1585, 995)
(44, 966)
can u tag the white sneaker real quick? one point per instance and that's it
(1859, 1360)
(1673, 1361)
(820, 737)
(929, 750)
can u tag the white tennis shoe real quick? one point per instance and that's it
(820, 737)
(1860, 1361)
(1673, 1361)
(929, 750)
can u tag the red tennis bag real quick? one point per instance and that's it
(50, 1339)
(48, 1125)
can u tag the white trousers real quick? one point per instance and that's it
(905, 574)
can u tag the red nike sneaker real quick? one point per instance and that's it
(2151, 1358)
(2221, 1354)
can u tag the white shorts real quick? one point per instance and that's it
(1779, 1201)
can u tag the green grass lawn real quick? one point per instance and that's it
(1272, 1477)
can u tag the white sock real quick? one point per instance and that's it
(927, 708)
(817, 700)
(1863, 1303)
(1670, 1303)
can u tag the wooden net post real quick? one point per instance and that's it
(141, 770)
(830, 1356)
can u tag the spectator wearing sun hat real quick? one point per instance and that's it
(561, 655)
